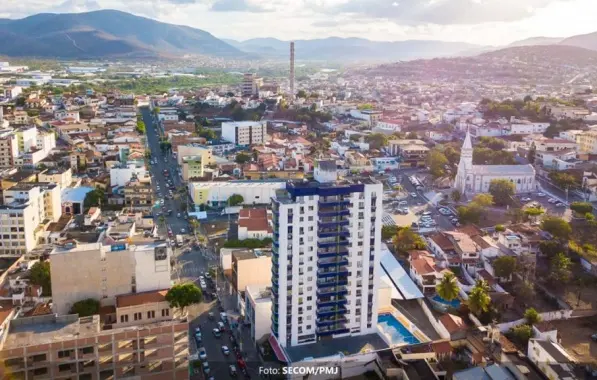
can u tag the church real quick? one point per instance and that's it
(472, 179)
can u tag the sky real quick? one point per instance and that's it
(484, 22)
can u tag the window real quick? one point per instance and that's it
(124, 318)
(151, 314)
(165, 312)
(137, 316)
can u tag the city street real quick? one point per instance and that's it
(190, 263)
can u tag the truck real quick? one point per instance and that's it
(231, 210)
(179, 240)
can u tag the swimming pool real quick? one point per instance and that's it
(455, 303)
(395, 330)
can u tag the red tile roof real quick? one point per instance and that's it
(452, 323)
(126, 300)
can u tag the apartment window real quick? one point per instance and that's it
(124, 318)
(310, 219)
(151, 314)
(165, 312)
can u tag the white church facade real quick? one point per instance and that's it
(472, 179)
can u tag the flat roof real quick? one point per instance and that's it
(34, 331)
(346, 346)
(398, 276)
(75, 194)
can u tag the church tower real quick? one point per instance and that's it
(465, 165)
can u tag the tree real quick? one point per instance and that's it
(478, 299)
(242, 158)
(183, 295)
(406, 240)
(194, 224)
(532, 316)
(162, 220)
(521, 334)
(516, 215)
(500, 228)
(436, 161)
(581, 207)
(502, 191)
(559, 266)
(504, 266)
(39, 274)
(455, 195)
(448, 287)
(563, 180)
(235, 200)
(531, 155)
(377, 140)
(470, 214)
(525, 290)
(140, 127)
(94, 198)
(483, 200)
(301, 94)
(86, 307)
(557, 227)
(387, 232)
(534, 212)
(550, 248)
(156, 110)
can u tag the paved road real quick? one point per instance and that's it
(190, 262)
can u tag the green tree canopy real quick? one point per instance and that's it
(557, 227)
(249, 243)
(377, 140)
(581, 207)
(532, 316)
(534, 211)
(86, 307)
(94, 198)
(559, 267)
(478, 299)
(140, 127)
(406, 240)
(500, 228)
(550, 248)
(235, 200)
(470, 214)
(448, 288)
(388, 232)
(483, 200)
(504, 266)
(301, 94)
(455, 195)
(242, 158)
(436, 160)
(39, 274)
(183, 295)
(564, 180)
(502, 191)
(521, 334)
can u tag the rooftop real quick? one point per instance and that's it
(503, 169)
(346, 346)
(246, 254)
(134, 299)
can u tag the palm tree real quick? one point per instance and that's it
(162, 220)
(448, 287)
(478, 300)
(482, 284)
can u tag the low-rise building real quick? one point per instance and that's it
(551, 358)
(218, 193)
(250, 267)
(254, 223)
(258, 310)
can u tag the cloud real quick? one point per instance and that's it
(445, 12)
(182, 1)
(236, 6)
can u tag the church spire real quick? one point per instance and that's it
(467, 141)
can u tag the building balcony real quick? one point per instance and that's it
(327, 233)
(325, 214)
(329, 253)
(323, 303)
(332, 262)
(332, 282)
(333, 222)
(332, 291)
(333, 202)
(338, 242)
(330, 321)
(332, 330)
(337, 271)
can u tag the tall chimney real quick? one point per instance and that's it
(292, 70)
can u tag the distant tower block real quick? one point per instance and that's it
(291, 70)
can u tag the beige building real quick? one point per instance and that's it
(59, 176)
(138, 195)
(102, 271)
(244, 132)
(146, 307)
(587, 142)
(251, 268)
(9, 148)
(68, 347)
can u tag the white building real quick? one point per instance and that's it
(551, 358)
(244, 132)
(370, 116)
(102, 272)
(26, 207)
(254, 223)
(326, 254)
(121, 174)
(477, 178)
(217, 193)
(524, 127)
(258, 310)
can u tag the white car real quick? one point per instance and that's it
(540, 194)
(526, 199)
(560, 204)
(402, 203)
(414, 195)
(551, 200)
(202, 353)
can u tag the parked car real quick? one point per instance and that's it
(526, 199)
(414, 195)
(560, 204)
(232, 370)
(206, 368)
(202, 353)
(540, 194)
(216, 332)
(225, 350)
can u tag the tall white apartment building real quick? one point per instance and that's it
(9, 148)
(325, 259)
(244, 132)
(26, 207)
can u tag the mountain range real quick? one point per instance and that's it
(116, 34)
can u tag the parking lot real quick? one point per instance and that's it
(552, 206)
(409, 207)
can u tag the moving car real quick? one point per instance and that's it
(540, 194)
(526, 199)
(232, 370)
(414, 195)
(221, 326)
(560, 204)
(225, 350)
(216, 332)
